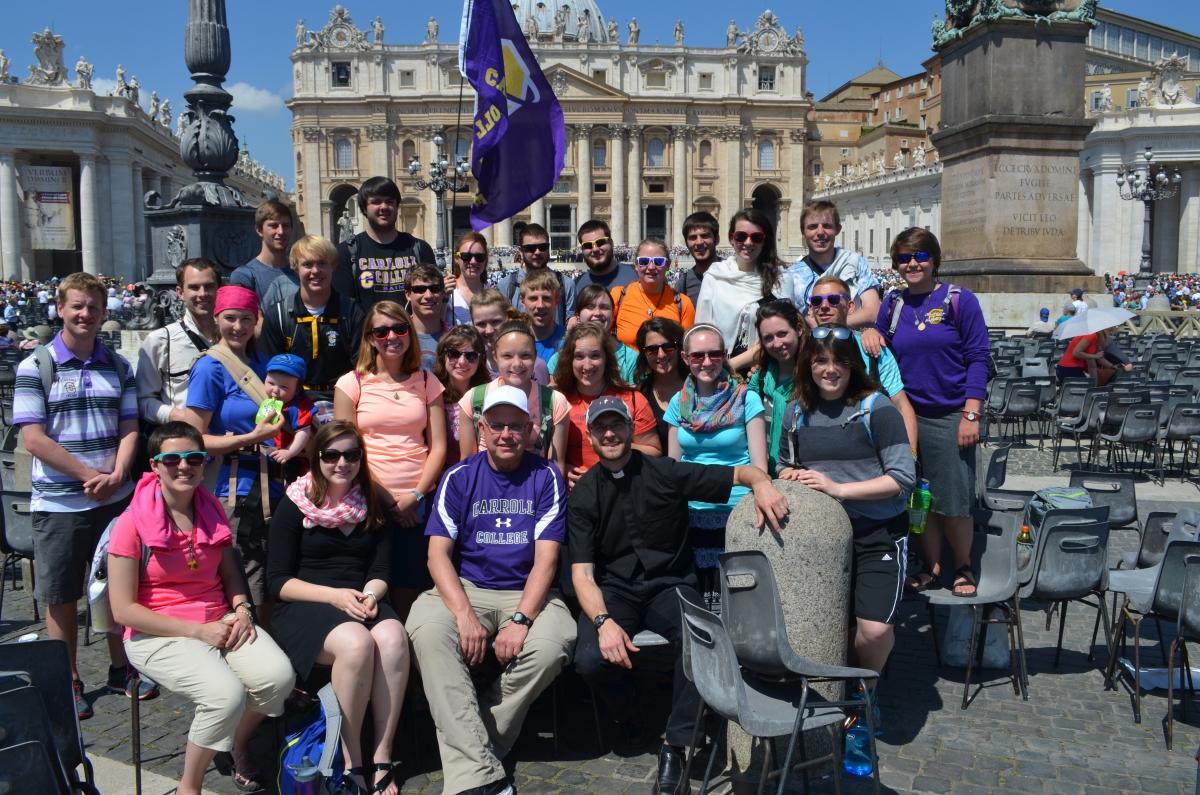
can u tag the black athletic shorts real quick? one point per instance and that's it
(878, 572)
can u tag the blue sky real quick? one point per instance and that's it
(146, 36)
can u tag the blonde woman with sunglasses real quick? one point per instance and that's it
(470, 268)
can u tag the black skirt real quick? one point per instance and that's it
(300, 629)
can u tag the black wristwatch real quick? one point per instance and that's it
(522, 619)
(599, 620)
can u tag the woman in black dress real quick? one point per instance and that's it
(660, 371)
(330, 553)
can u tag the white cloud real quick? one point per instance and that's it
(255, 100)
(103, 86)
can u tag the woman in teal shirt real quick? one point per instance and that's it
(780, 332)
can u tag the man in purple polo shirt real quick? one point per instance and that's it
(502, 513)
(82, 434)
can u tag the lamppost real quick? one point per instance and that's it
(442, 178)
(1144, 184)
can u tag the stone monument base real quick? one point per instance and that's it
(1015, 312)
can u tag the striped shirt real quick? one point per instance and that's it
(82, 413)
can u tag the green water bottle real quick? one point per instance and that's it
(918, 507)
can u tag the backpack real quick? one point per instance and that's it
(1055, 497)
(799, 417)
(949, 310)
(545, 408)
(97, 586)
(313, 749)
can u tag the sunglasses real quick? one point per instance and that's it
(194, 458)
(920, 256)
(472, 256)
(753, 237)
(399, 329)
(534, 248)
(658, 262)
(698, 357)
(470, 356)
(421, 289)
(588, 245)
(835, 300)
(665, 348)
(837, 332)
(331, 456)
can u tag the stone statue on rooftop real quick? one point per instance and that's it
(635, 32)
(583, 32)
(164, 114)
(560, 23)
(153, 112)
(134, 90)
(731, 34)
(679, 33)
(301, 34)
(1106, 100)
(613, 33)
(4, 65)
(48, 49)
(345, 227)
(377, 28)
(431, 30)
(919, 156)
(121, 87)
(530, 27)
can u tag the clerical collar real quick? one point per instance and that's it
(617, 475)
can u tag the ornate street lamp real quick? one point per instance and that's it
(1142, 183)
(442, 178)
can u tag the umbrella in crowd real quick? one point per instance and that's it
(1094, 320)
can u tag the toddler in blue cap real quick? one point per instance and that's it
(285, 393)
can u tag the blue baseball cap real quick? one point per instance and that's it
(1044, 313)
(289, 364)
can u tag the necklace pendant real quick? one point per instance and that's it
(193, 564)
(396, 395)
(921, 326)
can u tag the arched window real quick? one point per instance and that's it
(766, 154)
(599, 154)
(462, 148)
(706, 154)
(343, 155)
(654, 152)
(408, 150)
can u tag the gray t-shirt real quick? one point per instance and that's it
(259, 276)
(429, 343)
(622, 275)
(510, 286)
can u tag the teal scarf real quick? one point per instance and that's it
(722, 409)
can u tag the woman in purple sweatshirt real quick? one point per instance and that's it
(939, 337)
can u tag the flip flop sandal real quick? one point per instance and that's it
(964, 578)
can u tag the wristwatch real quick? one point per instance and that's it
(599, 620)
(522, 619)
(970, 416)
(419, 496)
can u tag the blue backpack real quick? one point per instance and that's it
(314, 749)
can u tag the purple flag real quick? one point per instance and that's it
(519, 139)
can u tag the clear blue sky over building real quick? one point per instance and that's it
(146, 37)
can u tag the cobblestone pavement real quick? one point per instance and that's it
(1070, 736)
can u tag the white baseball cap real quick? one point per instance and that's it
(506, 395)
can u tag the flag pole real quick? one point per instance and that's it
(468, 7)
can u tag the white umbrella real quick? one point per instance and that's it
(1095, 320)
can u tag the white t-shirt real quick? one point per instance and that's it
(1081, 307)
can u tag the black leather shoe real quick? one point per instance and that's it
(670, 772)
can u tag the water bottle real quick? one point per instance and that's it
(856, 755)
(1024, 547)
(307, 777)
(918, 507)
(102, 620)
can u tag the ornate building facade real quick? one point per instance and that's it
(655, 131)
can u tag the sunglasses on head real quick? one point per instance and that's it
(454, 355)
(588, 245)
(399, 329)
(534, 248)
(835, 300)
(194, 458)
(472, 256)
(753, 237)
(421, 289)
(698, 357)
(837, 332)
(331, 456)
(658, 262)
(920, 256)
(666, 347)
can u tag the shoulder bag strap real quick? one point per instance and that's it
(246, 379)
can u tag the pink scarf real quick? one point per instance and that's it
(351, 510)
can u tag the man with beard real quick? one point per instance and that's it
(534, 245)
(700, 233)
(599, 254)
(373, 265)
(628, 541)
(273, 223)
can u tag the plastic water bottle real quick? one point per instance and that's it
(918, 507)
(856, 756)
(102, 620)
(307, 777)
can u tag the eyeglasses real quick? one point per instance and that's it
(421, 289)
(837, 332)
(399, 329)
(666, 348)
(601, 428)
(698, 357)
(753, 237)
(658, 262)
(331, 456)
(588, 245)
(920, 256)
(194, 458)
(534, 248)
(834, 300)
(472, 256)
(470, 356)
(519, 428)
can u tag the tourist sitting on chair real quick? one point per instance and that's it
(630, 553)
(175, 584)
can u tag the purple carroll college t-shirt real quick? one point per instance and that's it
(494, 518)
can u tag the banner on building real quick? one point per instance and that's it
(47, 202)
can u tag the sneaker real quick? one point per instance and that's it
(83, 710)
(501, 787)
(856, 754)
(119, 681)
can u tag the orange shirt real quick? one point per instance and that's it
(635, 308)
(579, 449)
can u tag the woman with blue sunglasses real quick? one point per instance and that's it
(649, 296)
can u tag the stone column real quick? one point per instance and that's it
(1107, 210)
(679, 199)
(502, 233)
(537, 212)
(89, 230)
(634, 231)
(140, 268)
(311, 179)
(10, 219)
(733, 170)
(619, 201)
(1084, 242)
(380, 137)
(124, 225)
(583, 170)
(1189, 221)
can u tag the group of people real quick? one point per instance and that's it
(1181, 291)
(344, 462)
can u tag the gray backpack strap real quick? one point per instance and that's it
(897, 305)
(46, 368)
